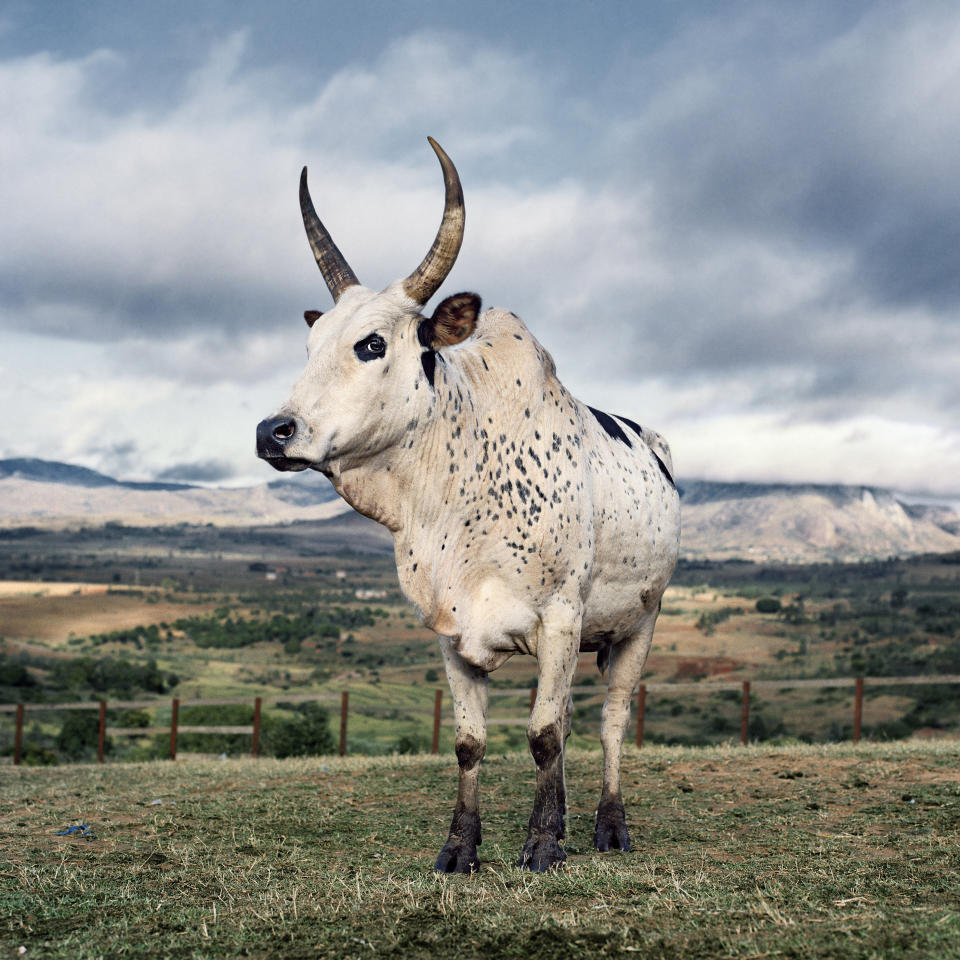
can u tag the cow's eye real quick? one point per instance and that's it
(370, 348)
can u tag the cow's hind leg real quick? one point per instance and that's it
(626, 665)
(469, 688)
(547, 730)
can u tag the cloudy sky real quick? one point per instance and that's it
(740, 227)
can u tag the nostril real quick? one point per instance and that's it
(284, 430)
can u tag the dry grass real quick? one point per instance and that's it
(51, 613)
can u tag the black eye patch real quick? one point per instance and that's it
(370, 348)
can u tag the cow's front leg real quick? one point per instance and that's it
(626, 665)
(468, 685)
(547, 731)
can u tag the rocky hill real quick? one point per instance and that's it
(783, 522)
(808, 522)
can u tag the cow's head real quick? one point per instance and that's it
(370, 359)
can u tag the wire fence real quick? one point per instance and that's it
(746, 688)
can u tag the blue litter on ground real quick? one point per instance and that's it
(81, 830)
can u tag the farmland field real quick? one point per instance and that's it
(800, 851)
(198, 612)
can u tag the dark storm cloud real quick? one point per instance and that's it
(804, 204)
(842, 145)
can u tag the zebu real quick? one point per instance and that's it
(523, 520)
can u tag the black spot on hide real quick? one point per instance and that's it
(635, 427)
(610, 426)
(663, 469)
(428, 360)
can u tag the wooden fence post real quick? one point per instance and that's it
(173, 728)
(18, 735)
(102, 733)
(745, 713)
(343, 724)
(641, 709)
(435, 746)
(858, 710)
(255, 749)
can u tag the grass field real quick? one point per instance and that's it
(800, 851)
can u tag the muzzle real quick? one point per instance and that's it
(273, 437)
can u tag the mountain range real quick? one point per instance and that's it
(46, 493)
(810, 523)
(782, 522)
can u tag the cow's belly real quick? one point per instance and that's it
(615, 611)
(633, 563)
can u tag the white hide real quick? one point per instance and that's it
(506, 497)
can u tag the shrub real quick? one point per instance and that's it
(37, 755)
(77, 739)
(708, 620)
(768, 605)
(13, 673)
(408, 743)
(306, 734)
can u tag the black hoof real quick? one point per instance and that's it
(457, 857)
(540, 853)
(459, 853)
(611, 831)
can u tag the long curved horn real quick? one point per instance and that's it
(423, 283)
(334, 267)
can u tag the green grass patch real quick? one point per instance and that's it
(827, 851)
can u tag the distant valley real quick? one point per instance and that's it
(803, 523)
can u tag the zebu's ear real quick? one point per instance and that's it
(452, 322)
(311, 316)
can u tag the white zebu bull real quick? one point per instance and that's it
(523, 520)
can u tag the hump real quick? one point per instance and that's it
(503, 358)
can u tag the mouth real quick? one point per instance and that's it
(287, 464)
